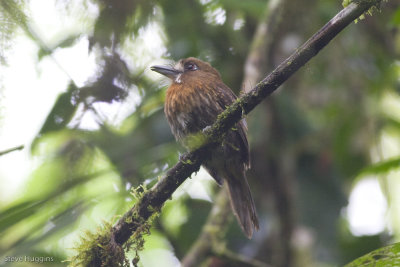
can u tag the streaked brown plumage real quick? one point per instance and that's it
(193, 101)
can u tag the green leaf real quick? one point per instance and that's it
(68, 41)
(18, 212)
(60, 220)
(382, 167)
(60, 115)
(383, 257)
(62, 112)
(396, 17)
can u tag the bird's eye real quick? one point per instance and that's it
(190, 66)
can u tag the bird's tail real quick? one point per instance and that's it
(242, 203)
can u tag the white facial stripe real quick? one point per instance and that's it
(179, 67)
(178, 78)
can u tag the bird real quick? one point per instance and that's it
(193, 101)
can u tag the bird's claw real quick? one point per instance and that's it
(206, 129)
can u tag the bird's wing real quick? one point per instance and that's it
(226, 97)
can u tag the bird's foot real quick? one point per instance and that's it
(206, 129)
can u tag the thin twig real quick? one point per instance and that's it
(11, 150)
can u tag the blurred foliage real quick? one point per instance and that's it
(11, 17)
(310, 141)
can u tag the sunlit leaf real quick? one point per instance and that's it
(62, 112)
(396, 17)
(64, 43)
(382, 167)
(18, 212)
(384, 257)
(59, 221)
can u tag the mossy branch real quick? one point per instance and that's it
(152, 200)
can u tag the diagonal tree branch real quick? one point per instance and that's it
(153, 199)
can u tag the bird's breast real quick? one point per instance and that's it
(189, 108)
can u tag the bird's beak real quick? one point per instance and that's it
(170, 72)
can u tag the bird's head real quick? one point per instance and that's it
(188, 69)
